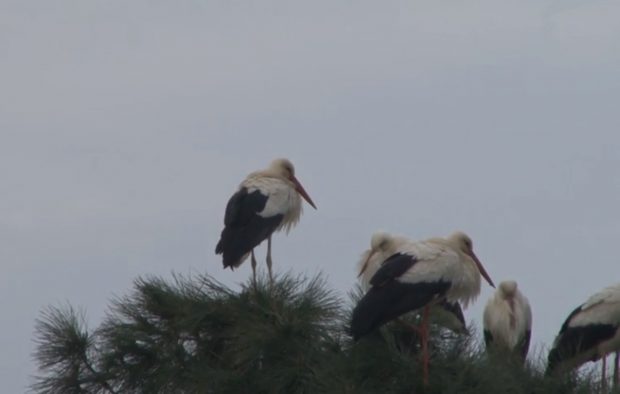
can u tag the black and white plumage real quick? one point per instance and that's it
(590, 332)
(445, 314)
(267, 201)
(416, 275)
(507, 320)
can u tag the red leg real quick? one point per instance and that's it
(422, 332)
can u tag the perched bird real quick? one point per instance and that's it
(416, 275)
(590, 332)
(382, 246)
(444, 314)
(507, 320)
(266, 201)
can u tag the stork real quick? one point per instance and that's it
(507, 320)
(416, 275)
(445, 314)
(267, 201)
(589, 333)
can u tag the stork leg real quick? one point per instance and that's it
(604, 375)
(422, 333)
(425, 354)
(616, 382)
(253, 261)
(269, 261)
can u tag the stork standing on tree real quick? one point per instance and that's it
(417, 275)
(590, 333)
(267, 201)
(445, 314)
(507, 321)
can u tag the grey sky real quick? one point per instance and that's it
(125, 127)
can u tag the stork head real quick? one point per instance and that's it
(380, 242)
(283, 168)
(508, 288)
(464, 244)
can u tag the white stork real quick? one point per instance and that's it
(445, 314)
(507, 320)
(591, 332)
(266, 201)
(416, 275)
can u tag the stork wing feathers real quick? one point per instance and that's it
(392, 268)
(589, 325)
(387, 302)
(243, 227)
(609, 295)
(243, 206)
(600, 313)
(524, 344)
(568, 319)
(577, 340)
(434, 263)
(603, 308)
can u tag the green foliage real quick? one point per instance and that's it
(66, 351)
(195, 335)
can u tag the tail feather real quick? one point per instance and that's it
(236, 242)
(233, 254)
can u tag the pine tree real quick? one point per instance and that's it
(195, 335)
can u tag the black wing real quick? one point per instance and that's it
(572, 341)
(392, 268)
(243, 206)
(244, 229)
(576, 340)
(389, 298)
(524, 345)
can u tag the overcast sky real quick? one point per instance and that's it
(126, 126)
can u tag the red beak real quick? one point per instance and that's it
(483, 272)
(300, 189)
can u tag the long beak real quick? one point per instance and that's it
(365, 264)
(300, 189)
(482, 270)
